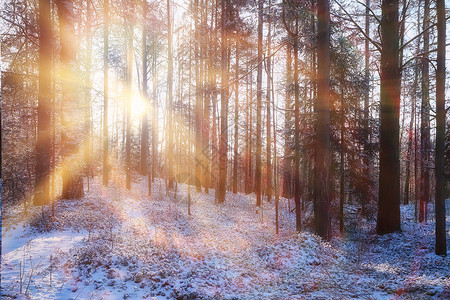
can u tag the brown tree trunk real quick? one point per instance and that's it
(144, 120)
(287, 170)
(268, 134)
(130, 50)
(223, 142)
(170, 145)
(105, 92)
(322, 159)
(258, 106)
(71, 114)
(43, 143)
(389, 179)
(441, 243)
(236, 119)
(367, 153)
(425, 146)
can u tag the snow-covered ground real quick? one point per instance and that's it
(118, 244)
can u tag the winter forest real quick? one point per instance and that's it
(225, 149)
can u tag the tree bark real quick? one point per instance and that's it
(389, 179)
(130, 50)
(169, 99)
(269, 80)
(105, 92)
(144, 116)
(71, 128)
(322, 159)
(236, 120)
(43, 143)
(258, 106)
(223, 141)
(441, 243)
(425, 146)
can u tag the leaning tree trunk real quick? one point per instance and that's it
(389, 179)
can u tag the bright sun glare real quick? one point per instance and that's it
(138, 105)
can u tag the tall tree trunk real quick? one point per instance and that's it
(236, 119)
(198, 102)
(130, 50)
(248, 142)
(206, 103)
(297, 191)
(71, 114)
(144, 121)
(105, 92)
(367, 153)
(322, 162)
(223, 142)
(425, 146)
(275, 161)
(441, 243)
(169, 99)
(268, 134)
(258, 106)
(389, 179)
(342, 160)
(287, 170)
(43, 143)
(155, 112)
(87, 96)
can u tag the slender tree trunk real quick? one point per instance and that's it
(248, 162)
(198, 102)
(342, 161)
(441, 243)
(287, 170)
(425, 146)
(275, 160)
(105, 92)
(130, 50)
(87, 96)
(236, 119)
(389, 179)
(206, 102)
(223, 142)
(258, 106)
(43, 144)
(297, 191)
(367, 157)
(169, 98)
(144, 121)
(268, 134)
(155, 112)
(323, 160)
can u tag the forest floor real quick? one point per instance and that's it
(118, 244)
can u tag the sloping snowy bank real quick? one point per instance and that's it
(114, 244)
